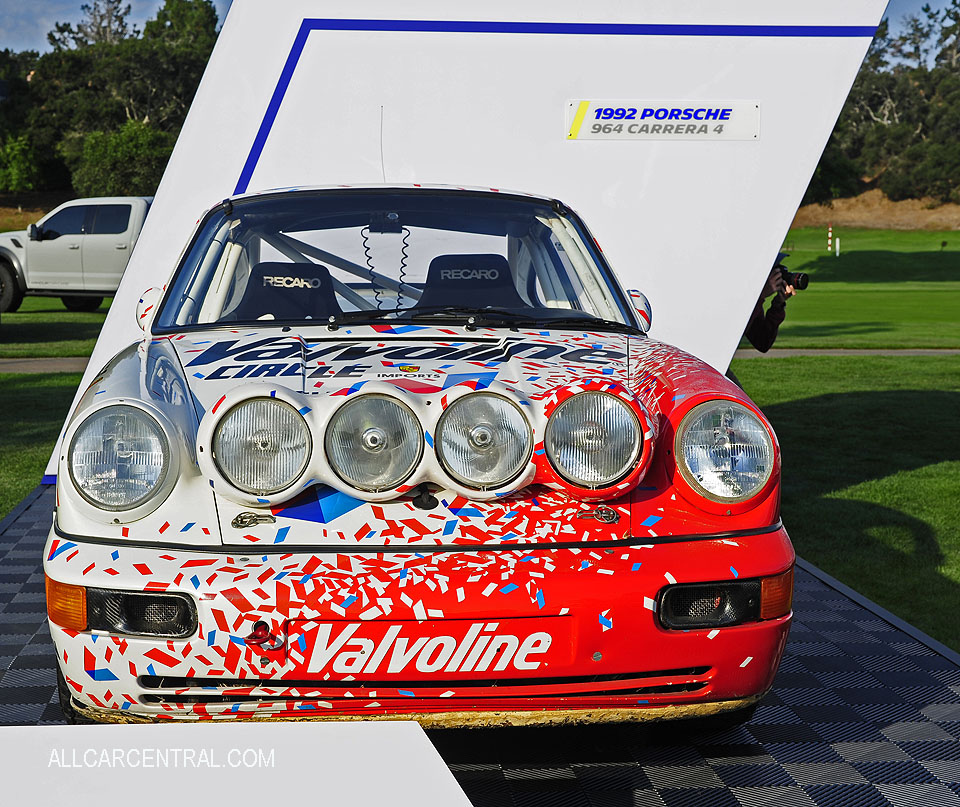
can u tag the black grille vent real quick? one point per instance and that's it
(141, 614)
(630, 684)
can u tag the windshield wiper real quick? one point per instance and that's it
(479, 317)
(484, 316)
(589, 323)
(472, 315)
(364, 313)
(475, 316)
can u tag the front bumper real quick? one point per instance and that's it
(613, 662)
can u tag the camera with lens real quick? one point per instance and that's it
(799, 280)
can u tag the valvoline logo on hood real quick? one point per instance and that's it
(532, 362)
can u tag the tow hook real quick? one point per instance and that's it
(247, 519)
(603, 514)
(262, 637)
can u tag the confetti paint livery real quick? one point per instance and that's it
(519, 607)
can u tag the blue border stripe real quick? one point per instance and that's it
(274, 106)
(493, 27)
(589, 28)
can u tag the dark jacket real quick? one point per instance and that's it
(762, 328)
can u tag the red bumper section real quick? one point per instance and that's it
(469, 638)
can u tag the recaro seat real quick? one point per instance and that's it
(287, 291)
(472, 281)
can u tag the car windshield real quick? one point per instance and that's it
(364, 256)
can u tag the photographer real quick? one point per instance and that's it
(762, 327)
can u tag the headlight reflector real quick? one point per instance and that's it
(593, 439)
(724, 451)
(262, 446)
(483, 440)
(118, 457)
(374, 442)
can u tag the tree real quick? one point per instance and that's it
(156, 76)
(916, 41)
(105, 21)
(949, 40)
(18, 166)
(128, 162)
(184, 23)
(878, 54)
(14, 69)
(900, 127)
(835, 176)
(71, 97)
(95, 84)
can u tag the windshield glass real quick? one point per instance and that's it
(360, 255)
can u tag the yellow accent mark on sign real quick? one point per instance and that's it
(578, 120)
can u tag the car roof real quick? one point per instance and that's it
(390, 187)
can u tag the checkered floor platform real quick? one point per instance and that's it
(862, 714)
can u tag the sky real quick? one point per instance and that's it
(24, 23)
(896, 10)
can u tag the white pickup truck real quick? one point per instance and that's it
(77, 252)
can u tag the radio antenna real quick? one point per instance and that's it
(383, 170)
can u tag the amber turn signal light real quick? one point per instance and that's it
(67, 605)
(776, 595)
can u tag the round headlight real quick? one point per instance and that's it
(483, 440)
(724, 451)
(118, 458)
(262, 446)
(374, 442)
(593, 439)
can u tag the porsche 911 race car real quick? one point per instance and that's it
(409, 453)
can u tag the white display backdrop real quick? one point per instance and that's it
(362, 764)
(319, 93)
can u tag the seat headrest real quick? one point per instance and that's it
(288, 291)
(470, 280)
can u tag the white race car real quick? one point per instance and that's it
(403, 452)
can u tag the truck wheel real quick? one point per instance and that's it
(10, 294)
(82, 303)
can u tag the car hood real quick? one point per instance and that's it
(414, 358)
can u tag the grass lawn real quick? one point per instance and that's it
(888, 289)
(871, 480)
(43, 327)
(34, 408)
(810, 243)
